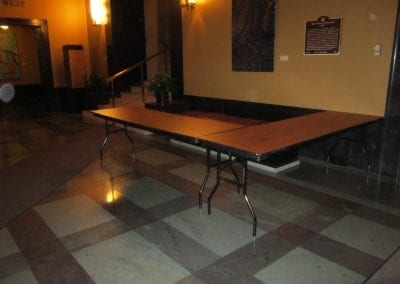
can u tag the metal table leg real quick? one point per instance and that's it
(218, 166)
(234, 174)
(246, 198)
(105, 139)
(108, 126)
(239, 184)
(203, 184)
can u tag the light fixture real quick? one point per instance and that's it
(98, 11)
(188, 4)
(4, 27)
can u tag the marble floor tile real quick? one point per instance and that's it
(129, 258)
(109, 169)
(279, 203)
(93, 235)
(7, 243)
(22, 277)
(219, 232)
(303, 267)
(156, 157)
(72, 214)
(365, 235)
(195, 172)
(148, 192)
(188, 253)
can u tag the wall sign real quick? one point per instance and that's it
(13, 3)
(323, 36)
(74, 63)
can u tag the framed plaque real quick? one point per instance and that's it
(323, 36)
(75, 69)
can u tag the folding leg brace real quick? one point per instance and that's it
(237, 181)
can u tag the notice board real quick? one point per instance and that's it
(323, 36)
(74, 62)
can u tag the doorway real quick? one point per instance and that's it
(26, 59)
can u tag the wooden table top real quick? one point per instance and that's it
(257, 141)
(170, 123)
(254, 142)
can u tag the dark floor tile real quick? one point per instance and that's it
(12, 264)
(47, 257)
(94, 235)
(172, 207)
(346, 256)
(242, 264)
(185, 251)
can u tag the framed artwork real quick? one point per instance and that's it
(9, 59)
(253, 34)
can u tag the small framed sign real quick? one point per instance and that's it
(323, 36)
(74, 63)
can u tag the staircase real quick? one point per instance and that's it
(132, 98)
(135, 97)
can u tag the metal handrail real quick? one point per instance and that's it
(140, 65)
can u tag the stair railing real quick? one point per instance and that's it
(135, 66)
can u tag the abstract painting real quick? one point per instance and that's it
(253, 33)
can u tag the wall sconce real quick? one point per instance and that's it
(98, 11)
(188, 4)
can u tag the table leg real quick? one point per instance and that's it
(246, 198)
(127, 135)
(234, 174)
(105, 139)
(242, 184)
(203, 184)
(218, 166)
(108, 126)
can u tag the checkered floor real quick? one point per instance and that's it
(120, 222)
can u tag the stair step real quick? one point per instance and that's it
(130, 99)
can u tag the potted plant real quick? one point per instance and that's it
(96, 88)
(161, 86)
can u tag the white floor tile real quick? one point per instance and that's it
(219, 232)
(281, 204)
(22, 277)
(72, 214)
(147, 192)
(303, 267)
(129, 258)
(365, 235)
(7, 243)
(156, 157)
(195, 172)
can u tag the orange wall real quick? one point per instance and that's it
(354, 81)
(67, 24)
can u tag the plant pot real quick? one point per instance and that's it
(162, 100)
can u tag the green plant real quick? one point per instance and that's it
(162, 83)
(95, 82)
